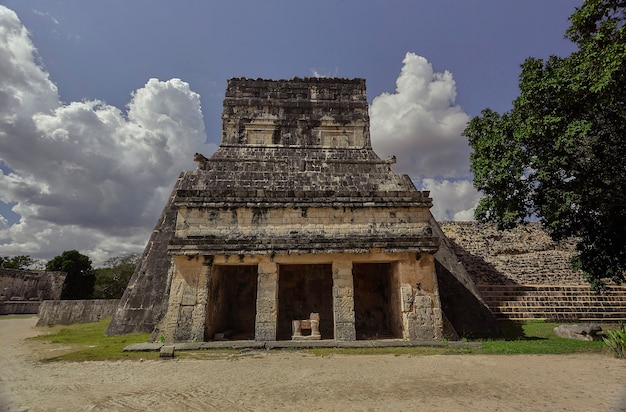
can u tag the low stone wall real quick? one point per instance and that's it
(66, 312)
(19, 308)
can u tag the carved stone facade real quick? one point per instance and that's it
(295, 214)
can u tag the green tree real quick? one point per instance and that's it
(80, 279)
(113, 277)
(559, 154)
(21, 262)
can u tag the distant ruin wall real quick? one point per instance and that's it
(30, 285)
(525, 255)
(19, 307)
(66, 312)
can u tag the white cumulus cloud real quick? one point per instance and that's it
(86, 175)
(452, 200)
(421, 124)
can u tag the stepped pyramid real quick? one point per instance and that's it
(295, 214)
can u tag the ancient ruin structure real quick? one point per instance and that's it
(22, 291)
(30, 285)
(523, 274)
(295, 215)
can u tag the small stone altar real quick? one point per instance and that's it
(312, 324)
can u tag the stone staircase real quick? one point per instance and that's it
(559, 303)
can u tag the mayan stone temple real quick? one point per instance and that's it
(293, 229)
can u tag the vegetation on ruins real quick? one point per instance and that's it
(113, 277)
(616, 341)
(83, 282)
(558, 155)
(20, 262)
(80, 279)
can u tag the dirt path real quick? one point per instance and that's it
(265, 381)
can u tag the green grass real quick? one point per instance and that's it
(401, 351)
(537, 338)
(86, 341)
(519, 338)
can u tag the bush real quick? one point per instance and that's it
(616, 341)
(112, 279)
(80, 277)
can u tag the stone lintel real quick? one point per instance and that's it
(206, 245)
(314, 258)
(252, 202)
(282, 196)
(343, 161)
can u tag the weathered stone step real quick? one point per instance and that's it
(567, 302)
(555, 310)
(531, 302)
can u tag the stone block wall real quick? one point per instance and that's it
(282, 229)
(67, 312)
(525, 255)
(19, 307)
(297, 112)
(523, 274)
(30, 285)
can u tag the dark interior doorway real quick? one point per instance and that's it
(373, 301)
(231, 306)
(303, 289)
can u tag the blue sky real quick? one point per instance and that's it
(93, 59)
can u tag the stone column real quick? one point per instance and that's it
(186, 310)
(343, 300)
(419, 304)
(198, 319)
(266, 302)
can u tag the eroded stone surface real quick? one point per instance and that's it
(30, 285)
(523, 255)
(587, 331)
(294, 184)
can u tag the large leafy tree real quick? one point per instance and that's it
(80, 279)
(113, 277)
(560, 154)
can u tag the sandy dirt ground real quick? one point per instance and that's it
(294, 381)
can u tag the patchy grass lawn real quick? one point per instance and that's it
(537, 338)
(519, 338)
(87, 341)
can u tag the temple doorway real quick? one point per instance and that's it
(303, 289)
(375, 303)
(231, 305)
